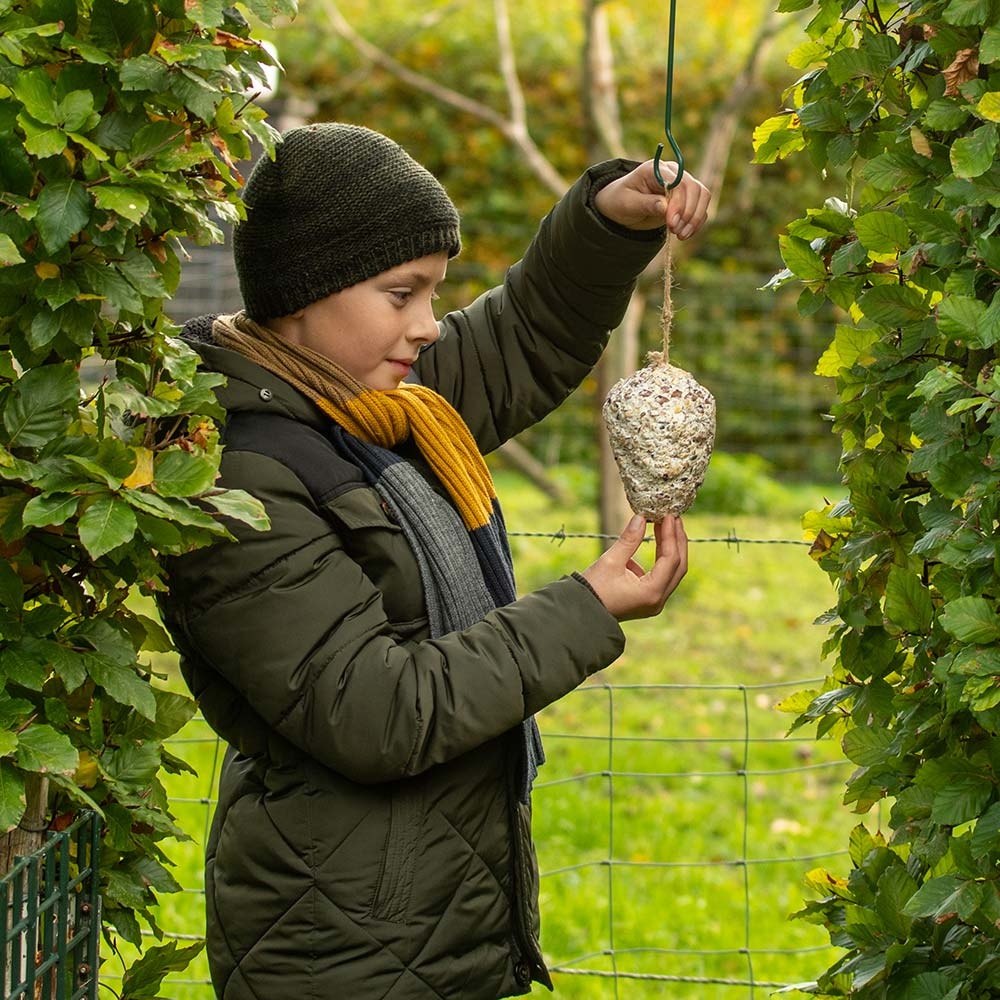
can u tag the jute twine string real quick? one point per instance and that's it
(667, 313)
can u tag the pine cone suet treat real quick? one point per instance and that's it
(661, 423)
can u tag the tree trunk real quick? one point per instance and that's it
(603, 130)
(29, 834)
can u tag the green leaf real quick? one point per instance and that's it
(986, 835)
(105, 280)
(70, 665)
(43, 749)
(801, 259)
(908, 601)
(989, 45)
(49, 508)
(63, 212)
(9, 254)
(144, 72)
(123, 684)
(11, 588)
(960, 316)
(24, 669)
(173, 712)
(122, 27)
(106, 524)
(972, 620)
(76, 110)
(895, 888)
(848, 258)
(944, 115)
(776, 138)
(36, 91)
(12, 798)
(126, 889)
(154, 875)
(969, 12)
(197, 94)
(989, 106)
(242, 506)
(144, 977)
(936, 381)
(39, 407)
(123, 201)
(206, 13)
(178, 473)
(868, 746)
(892, 171)
(893, 305)
(937, 896)
(962, 800)
(882, 232)
(134, 765)
(973, 155)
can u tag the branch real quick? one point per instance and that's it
(722, 129)
(511, 128)
(508, 68)
(599, 85)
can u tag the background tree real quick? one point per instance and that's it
(120, 123)
(906, 98)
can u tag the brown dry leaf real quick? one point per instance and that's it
(231, 41)
(964, 68)
(821, 545)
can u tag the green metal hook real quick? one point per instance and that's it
(668, 111)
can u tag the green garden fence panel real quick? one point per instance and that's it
(51, 917)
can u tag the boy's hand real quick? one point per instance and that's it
(625, 589)
(637, 200)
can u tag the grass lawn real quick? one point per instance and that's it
(674, 821)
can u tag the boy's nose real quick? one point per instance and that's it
(425, 329)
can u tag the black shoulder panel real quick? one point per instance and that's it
(304, 450)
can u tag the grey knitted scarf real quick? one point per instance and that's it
(465, 574)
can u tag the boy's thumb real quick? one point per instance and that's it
(632, 535)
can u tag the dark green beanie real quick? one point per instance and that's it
(337, 205)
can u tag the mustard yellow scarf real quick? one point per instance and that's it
(382, 417)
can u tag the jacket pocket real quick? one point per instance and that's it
(399, 856)
(379, 546)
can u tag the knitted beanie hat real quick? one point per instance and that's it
(337, 205)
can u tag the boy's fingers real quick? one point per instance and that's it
(671, 552)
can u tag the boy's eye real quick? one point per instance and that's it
(400, 294)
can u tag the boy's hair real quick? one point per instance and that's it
(337, 205)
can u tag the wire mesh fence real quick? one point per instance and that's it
(675, 820)
(51, 925)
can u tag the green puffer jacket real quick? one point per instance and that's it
(369, 842)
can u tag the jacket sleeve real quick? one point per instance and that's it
(518, 351)
(285, 629)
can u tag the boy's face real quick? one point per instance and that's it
(375, 329)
